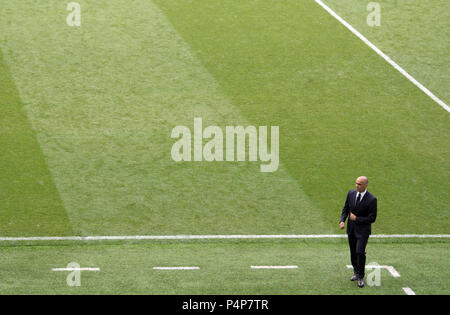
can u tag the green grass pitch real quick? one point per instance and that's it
(86, 115)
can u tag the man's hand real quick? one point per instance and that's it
(352, 217)
(341, 225)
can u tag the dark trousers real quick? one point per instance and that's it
(358, 253)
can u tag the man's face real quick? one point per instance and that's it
(361, 184)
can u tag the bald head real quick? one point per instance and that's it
(364, 179)
(361, 183)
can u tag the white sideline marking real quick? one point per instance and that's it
(193, 237)
(385, 57)
(408, 291)
(176, 268)
(76, 269)
(273, 267)
(391, 269)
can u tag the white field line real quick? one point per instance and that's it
(76, 269)
(273, 267)
(176, 268)
(391, 269)
(408, 291)
(384, 56)
(196, 237)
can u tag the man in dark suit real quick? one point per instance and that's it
(361, 208)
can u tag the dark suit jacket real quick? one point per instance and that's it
(366, 213)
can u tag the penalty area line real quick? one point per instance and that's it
(384, 56)
(176, 268)
(201, 237)
(274, 267)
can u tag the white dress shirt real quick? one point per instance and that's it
(362, 195)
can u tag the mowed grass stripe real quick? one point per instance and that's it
(29, 201)
(104, 99)
(342, 109)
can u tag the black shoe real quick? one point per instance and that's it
(360, 283)
(354, 277)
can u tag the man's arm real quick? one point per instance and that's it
(372, 214)
(346, 209)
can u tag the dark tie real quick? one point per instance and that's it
(358, 199)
